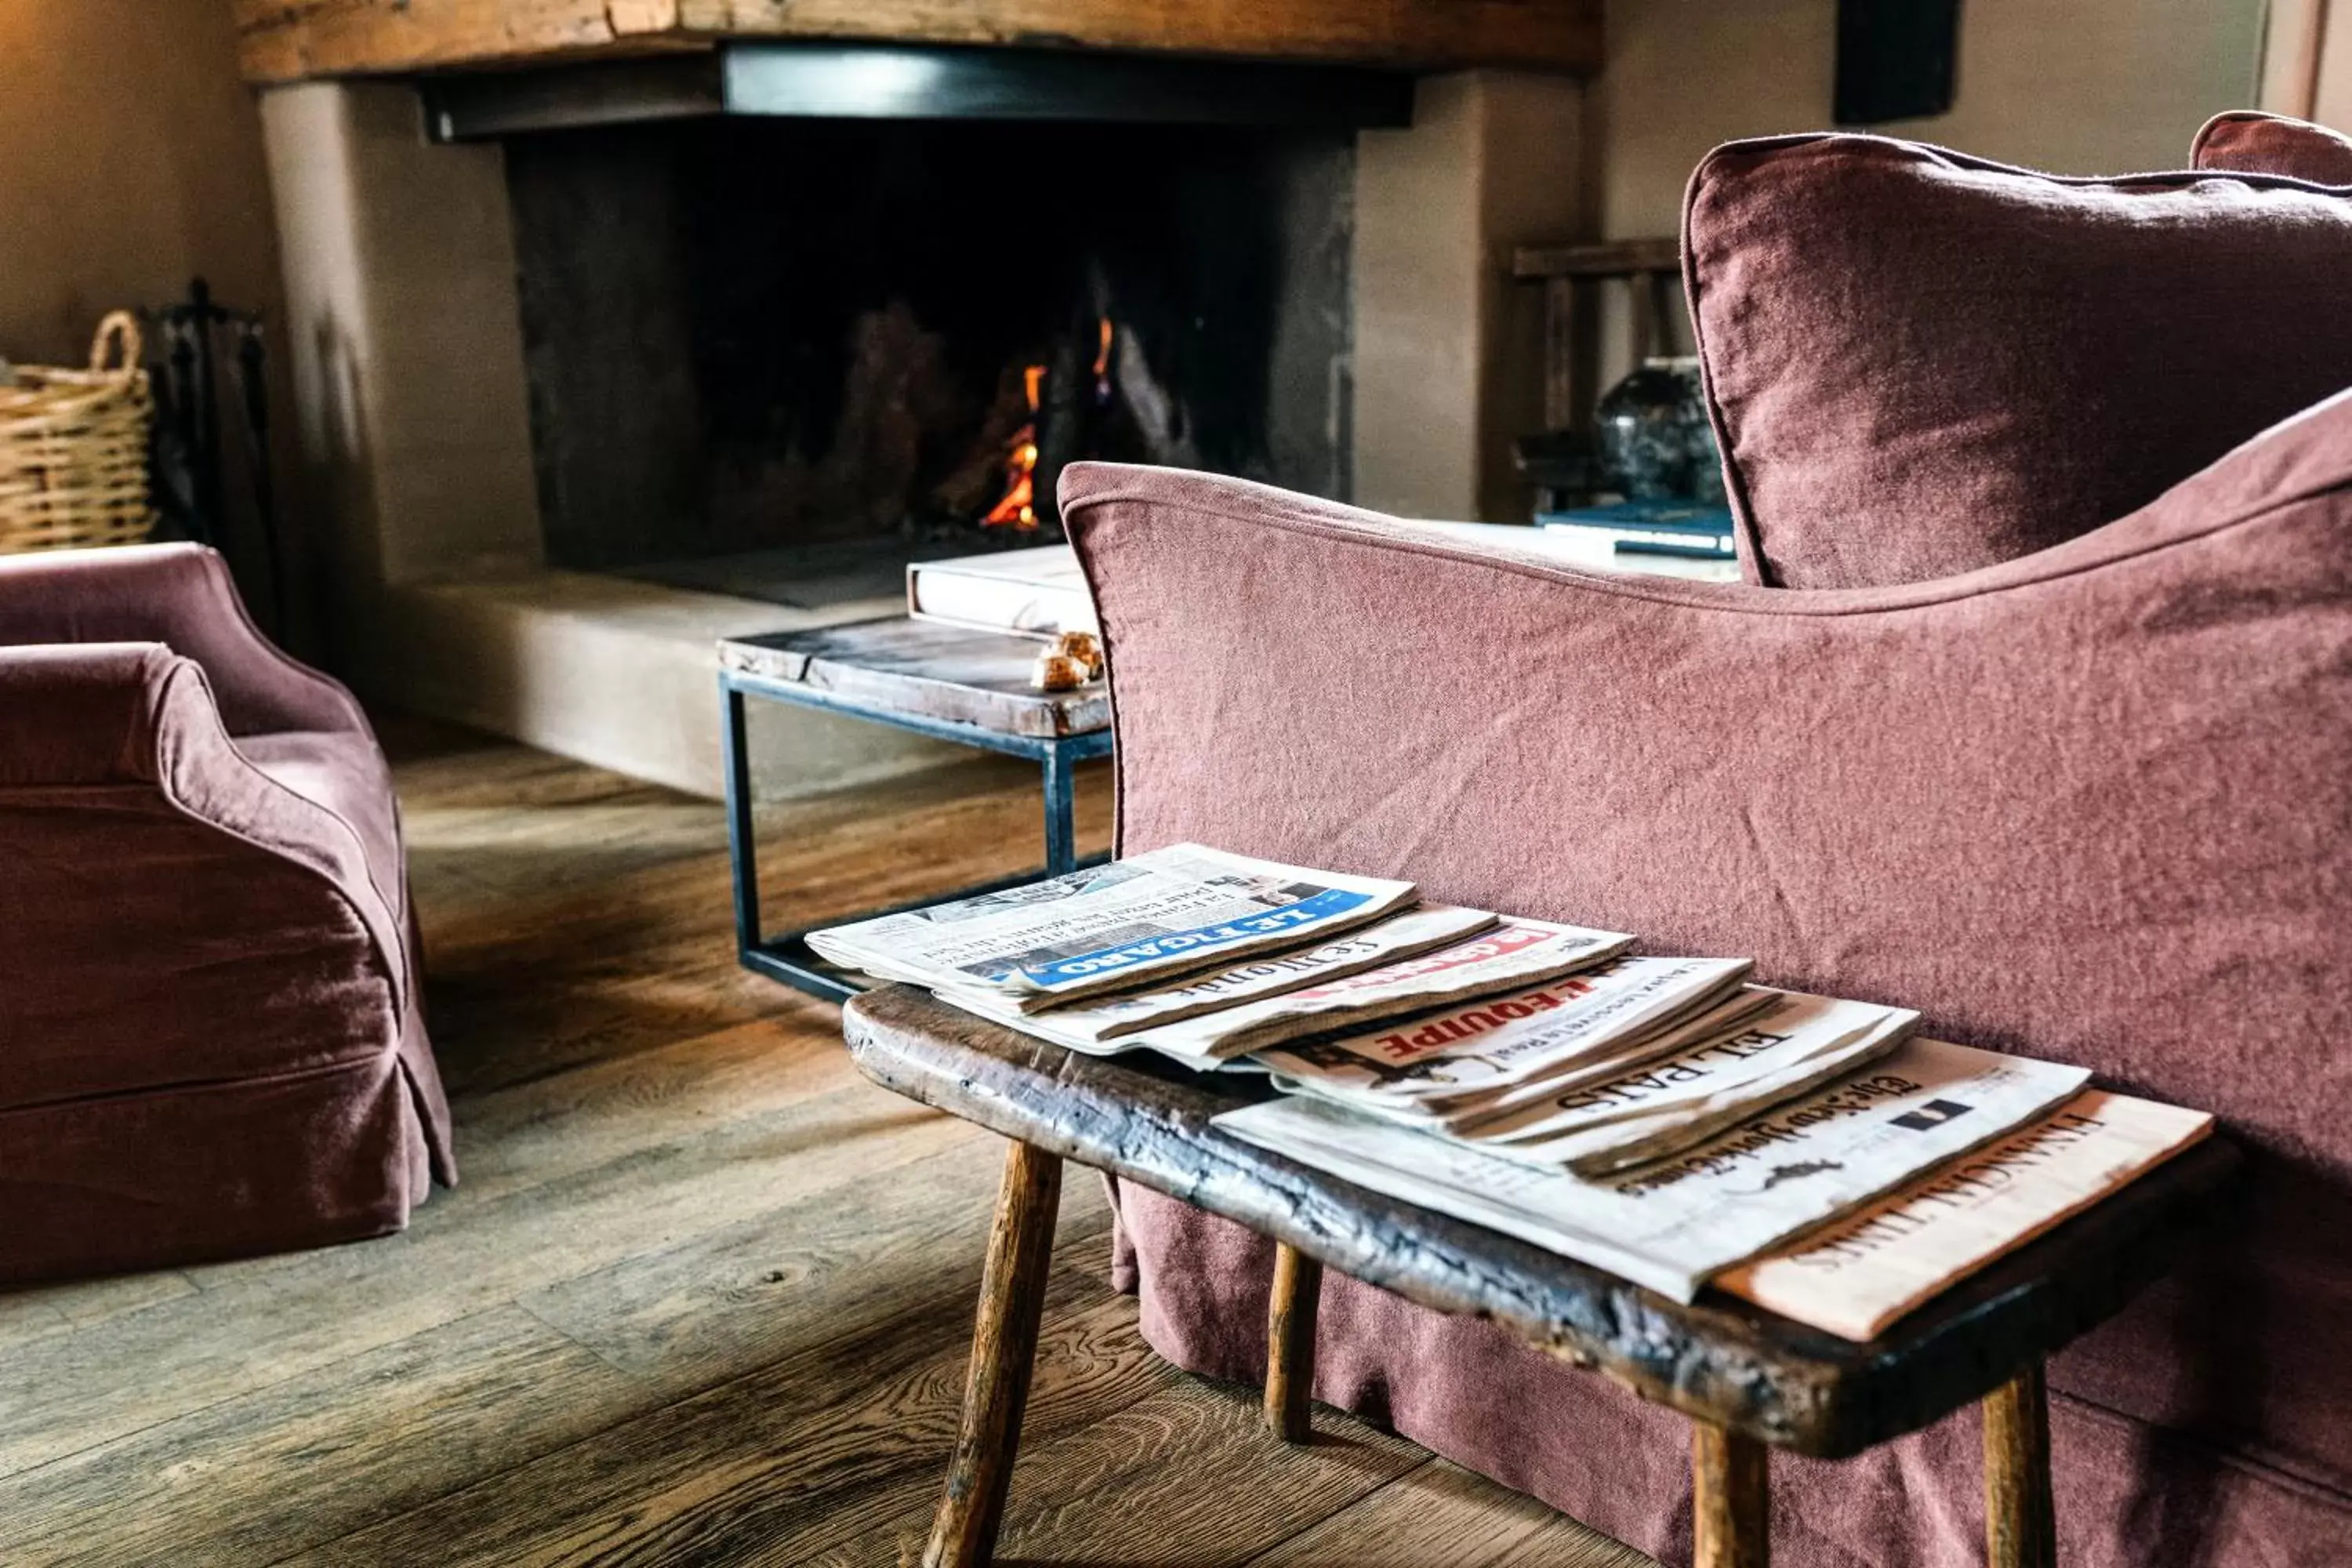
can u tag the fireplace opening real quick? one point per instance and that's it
(781, 358)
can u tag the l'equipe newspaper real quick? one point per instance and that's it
(1480, 1047)
(1502, 959)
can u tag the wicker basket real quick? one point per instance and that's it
(73, 450)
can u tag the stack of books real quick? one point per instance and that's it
(1662, 1117)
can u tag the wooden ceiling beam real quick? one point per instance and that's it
(291, 40)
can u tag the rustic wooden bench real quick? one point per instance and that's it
(1748, 1379)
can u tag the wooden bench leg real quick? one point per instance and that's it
(1290, 1343)
(2020, 1525)
(1731, 1499)
(1003, 1346)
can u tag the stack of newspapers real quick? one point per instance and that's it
(1663, 1118)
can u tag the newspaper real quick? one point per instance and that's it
(1511, 954)
(1098, 1026)
(1478, 1048)
(1680, 1034)
(1463, 1112)
(1113, 927)
(1796, 1043)
(1674, 1224)
(1859, 1274)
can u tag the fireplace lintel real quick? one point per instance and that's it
(891, 81)
(294, 40)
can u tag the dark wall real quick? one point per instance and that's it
(743, 333)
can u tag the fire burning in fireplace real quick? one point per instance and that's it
(1018, 507)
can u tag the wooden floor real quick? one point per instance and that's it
(704, 1294)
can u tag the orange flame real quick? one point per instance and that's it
(1019, 507)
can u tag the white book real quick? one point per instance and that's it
(1035, 592)
(1675, 1223)
(1856, 1276)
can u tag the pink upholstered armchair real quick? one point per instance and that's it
(211, 1040)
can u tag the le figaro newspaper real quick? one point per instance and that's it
(1111, 927)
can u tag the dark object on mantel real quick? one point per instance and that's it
(1896, 59)
(1655, 444)
(1565, 461)
(875, 82)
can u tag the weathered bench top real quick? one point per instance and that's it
(1719, 1360)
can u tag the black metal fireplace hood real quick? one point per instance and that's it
(879, 81)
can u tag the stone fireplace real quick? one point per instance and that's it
(599, 363)
(780, 357)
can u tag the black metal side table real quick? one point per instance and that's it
(968, 686)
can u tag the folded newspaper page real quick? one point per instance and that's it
(1113, 927)
(1459, 1113)
(1097, 1025)
(1674, 1224)
(1798, 1042)
(1679, 1034)
(1511, 954)
(1480, 1047)
(1862, 1273)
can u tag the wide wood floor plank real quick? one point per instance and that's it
(820, 1451)
(1440, 1513)
(44, 1310)
(557, 1128)
(687, 1315)
(1188, 1478)
(457, 1258)
(253, 1479)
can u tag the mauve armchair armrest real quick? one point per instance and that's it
(180, 595)
(82, 713)
(83, 722)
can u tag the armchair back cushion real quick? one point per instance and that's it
(2090, 806)
(1920, 362)
(2248, 142)
(180, 595)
